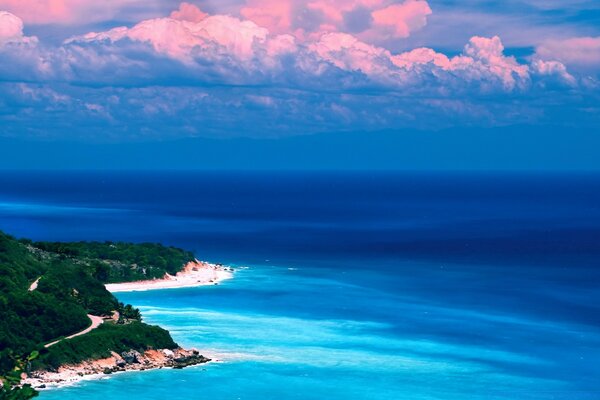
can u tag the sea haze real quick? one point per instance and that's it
(359, 285)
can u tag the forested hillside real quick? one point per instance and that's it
(121, 262)
(47, 290)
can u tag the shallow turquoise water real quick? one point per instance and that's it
(277, 331)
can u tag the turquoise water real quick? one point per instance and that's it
(274, 331)
(360, 286)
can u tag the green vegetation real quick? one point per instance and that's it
(122, 262)
(100, 342)
(30, 318)
(71, 279)
(11, 390)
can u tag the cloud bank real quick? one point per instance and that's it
(275, 72)
(579, 52)
(367, 19)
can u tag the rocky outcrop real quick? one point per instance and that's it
(126, 361)
(130, 357)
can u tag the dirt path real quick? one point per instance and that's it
(34, 285)
(96, 322)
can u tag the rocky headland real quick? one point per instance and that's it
(126, 361)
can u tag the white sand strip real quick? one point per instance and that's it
(195, 273)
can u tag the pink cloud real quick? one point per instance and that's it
(483, 60)
(334, 10)
(11, 29)
(188, 12)
(212, 38)
(371, 20)
(348, 53)
(275, 15)
(582, 52)
(488, 53)
(553, 68)
(45, 11)
(422, 56)
(312, 50)
(80, 12)
(229, 49)
(402, 19)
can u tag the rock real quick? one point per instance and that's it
(127, 361)
(186, 359)
(131, 356)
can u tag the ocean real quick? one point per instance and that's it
(349, 285)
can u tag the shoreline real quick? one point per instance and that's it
(194, 273)
(128, 361)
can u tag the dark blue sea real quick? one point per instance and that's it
(355, 285)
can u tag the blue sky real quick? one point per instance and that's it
(130, 71)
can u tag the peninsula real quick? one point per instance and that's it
(59, 321)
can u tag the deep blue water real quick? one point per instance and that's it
(359, 286)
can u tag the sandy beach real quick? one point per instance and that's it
(195, 273)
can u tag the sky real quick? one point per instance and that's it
(131, 71)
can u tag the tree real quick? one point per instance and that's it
(10, 389)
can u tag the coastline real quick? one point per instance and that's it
(128, 361)
(194, 273)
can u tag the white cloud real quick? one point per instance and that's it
(582, 53)
(226, 50)
(553, 69)
(11, 30)
(153, 72)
